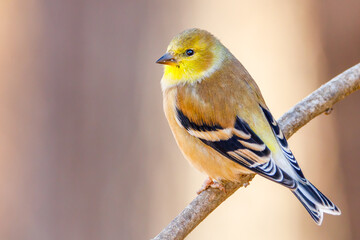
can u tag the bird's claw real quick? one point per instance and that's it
(210, 183)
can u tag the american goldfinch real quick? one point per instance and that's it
(221, 123)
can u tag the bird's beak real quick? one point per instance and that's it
(167, 59)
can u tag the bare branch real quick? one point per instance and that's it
(313, 105)
(321, 100)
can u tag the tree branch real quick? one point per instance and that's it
(313, 105)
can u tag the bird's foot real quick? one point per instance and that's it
(210, 183)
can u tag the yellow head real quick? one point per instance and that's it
(191, 56)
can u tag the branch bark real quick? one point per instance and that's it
(319, 101)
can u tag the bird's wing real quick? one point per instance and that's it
(240, 144)
(283, 143)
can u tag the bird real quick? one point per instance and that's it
(222, 124)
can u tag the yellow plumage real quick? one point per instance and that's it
(221, 122)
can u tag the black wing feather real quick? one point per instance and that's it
(229, 147)
(283, 143)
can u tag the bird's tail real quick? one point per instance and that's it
(315, 202)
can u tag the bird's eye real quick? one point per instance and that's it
(189, 52)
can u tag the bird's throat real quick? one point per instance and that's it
(174, 75)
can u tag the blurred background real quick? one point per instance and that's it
(86, 152)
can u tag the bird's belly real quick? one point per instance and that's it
(206, 159)
(201, 156)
